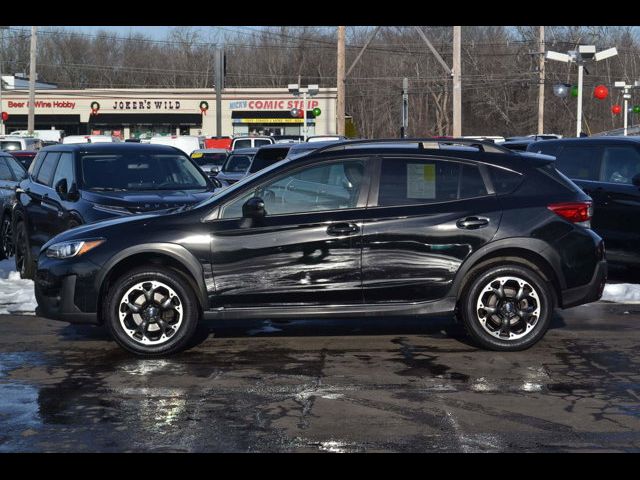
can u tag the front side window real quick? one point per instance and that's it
(146, 171)
(417, 181)
(45, 174)
(580, 162)
(242, 144)
(266, 157)
(620, 164)
(19, 171)
(5, 173)
(64, 170)
(332, 186)
(262, 142)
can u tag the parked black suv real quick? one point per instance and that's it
(608, 170)
(69, 185)
(353, 229)
(11, 173)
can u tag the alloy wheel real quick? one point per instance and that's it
(508, 308)
(150, 312)
(6, 235)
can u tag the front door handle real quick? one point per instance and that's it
(472, 223)
(342, 229)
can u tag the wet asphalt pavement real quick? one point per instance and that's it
(396, 384)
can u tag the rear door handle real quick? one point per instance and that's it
(342, 229)
(472, 223)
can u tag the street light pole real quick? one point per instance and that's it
(304, 115)
(580, 56)
(579, 122)
(626, 94)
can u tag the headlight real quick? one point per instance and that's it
(73, 248)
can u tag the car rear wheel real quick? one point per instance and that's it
(151, 311)
(507, 307)
(24, 261)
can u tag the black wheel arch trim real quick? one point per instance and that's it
(173, 250)
(534, 246)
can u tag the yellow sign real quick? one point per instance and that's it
(271, 120)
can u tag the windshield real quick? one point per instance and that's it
(209, 158)
(268, 156)
(237, 164)
(146, 171)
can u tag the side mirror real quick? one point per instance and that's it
(215, 170)
(254, 208)
(636, 180)
(62, 189)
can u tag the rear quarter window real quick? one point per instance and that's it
(504, 181)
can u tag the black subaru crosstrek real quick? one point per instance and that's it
(70, 185)
(363, 228)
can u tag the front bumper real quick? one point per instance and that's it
(65, 291)
(588, 293)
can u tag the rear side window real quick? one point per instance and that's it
(620, 164)
(417, 181)
(242, 144)
(504, 181)
(5, 173)
(262, 142)
(267, 157)
(45, 174)
(581, 162)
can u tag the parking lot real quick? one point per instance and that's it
(400, 385)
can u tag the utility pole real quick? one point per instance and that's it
(457, 83)
(626, 94)
(405, 108)
(219, 88)
(541, 82)
(32, 83)
(340, 107)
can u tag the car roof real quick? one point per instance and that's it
(587, 140)
(210, 150)
(275, 145)
(243, 151)
(124, 147)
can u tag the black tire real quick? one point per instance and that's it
(6, 237)
(25, 263)
(186, 299)
(471, 314)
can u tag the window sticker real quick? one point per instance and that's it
(421, 180)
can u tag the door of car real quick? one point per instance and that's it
(619, 200)
(38, 208)
(59, 209)
(426, 216)
(306, 250)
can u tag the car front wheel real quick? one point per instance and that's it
(151, 311)
(507, 307)
(6, 237)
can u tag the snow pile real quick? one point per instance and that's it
(16, 295)
(622, 293)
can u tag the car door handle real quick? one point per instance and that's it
(471, 223)
(342, 229)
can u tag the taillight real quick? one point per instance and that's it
(575, 212)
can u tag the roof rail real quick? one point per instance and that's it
(428, 143)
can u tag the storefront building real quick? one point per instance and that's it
(142, 113)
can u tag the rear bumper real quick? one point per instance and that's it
(588, 293)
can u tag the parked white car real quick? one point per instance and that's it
(90, 139)
(15, 142)
(44, 135)
(187, 143)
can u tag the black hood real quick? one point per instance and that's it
(148, 200)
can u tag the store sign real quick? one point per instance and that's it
(44, 104)
(146, 105)
(271, 104)
(271, 120)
